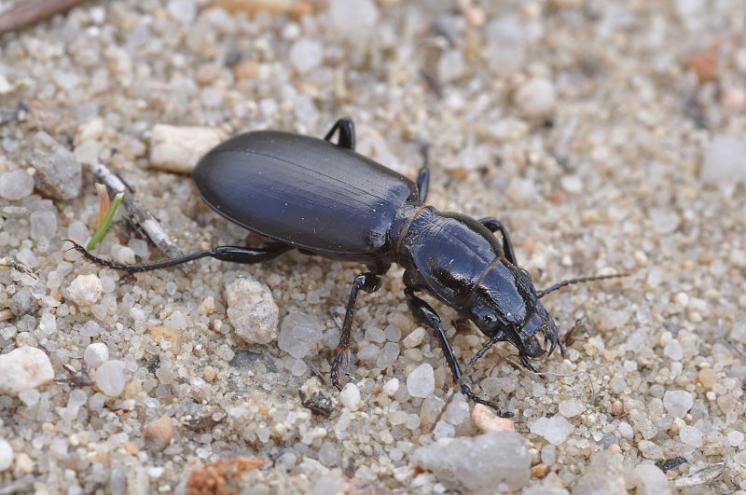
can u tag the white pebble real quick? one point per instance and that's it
(535, 99)
(421, 381)
(95, 355)
(691, 436)
(350, 397)
(555, 429)
(673, 350)
(353, 18)
(85, 290)
(415, 338)
(24, 368)
(252, 310)
(43, 225)
(183, 11)
(178, 149)
(388, 355)
(724, 160)
(451, 66)
(391, 387)
(571, 407)
(738, 333)
(15, 185)
(650, 480)
(110, 377)
(299, 334)
(678, 402)
(572, 184)
(306, 55)
(735, 438)
(6, 455)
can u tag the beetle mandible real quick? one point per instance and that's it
(325, 199)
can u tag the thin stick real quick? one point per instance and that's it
(139, 215)
(30, 12)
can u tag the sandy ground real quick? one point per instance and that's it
(609, 136)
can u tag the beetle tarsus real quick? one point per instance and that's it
(492, 405)
(346, 128)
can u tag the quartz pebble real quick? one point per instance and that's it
(555, 430)
(299, 334)
(388, 355)
(724, 160)
(58, 172)
(43, 225)
(178, 149)
(487, 420)
(95, 355)
(85, 290)
(159, 433)
(391, 387)
(6, 455)
(354, 20)
(15, 185)
(110, 377)
(648, 479)
(677, 402)
(306, 55)
(415, 338)
(571, 407)
(604, 475)
(24, 368)
(252, 310)
(691, 436)
(478, 463)
(350, 397)
(535, 99)
(421, 381)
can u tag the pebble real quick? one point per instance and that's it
(421, 381)
(546, 490)
(43, 225)
(506, 41)
(535, 99)
(183, 11)
(391, 387)
(478, 463)
(415, 338)
(724, 160)
(6, 455)
(648, 479)
(451, 66)
(95, 355)
(486, 420)
(24, 368)
(738, 333)
(678, 402)
(306, 55)
(299, 334)
(159, 433)
(178, 149)
(555, 430)
(252, 310)
(572, 184)
(85, 290)
(691, 436)
(388, 355)
(354, 20)
(605, 475)
(58, 173)
(350, 397)
(571, 407)
(110, 377)
(673, 350)
(15, 185)
(735, 438)
(664, 220)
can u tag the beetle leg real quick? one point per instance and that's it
(346, 128)
(234, 254)
(493, 224)
(369, 282)
(426, 314)
(423, 176)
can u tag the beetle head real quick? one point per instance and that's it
(505, 306)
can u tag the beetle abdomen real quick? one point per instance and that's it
(304, 191)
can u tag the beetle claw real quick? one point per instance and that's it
(527, 363)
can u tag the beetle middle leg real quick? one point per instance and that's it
(346, 128)
(493, 224)
(369, 282)
(233, 254)
(426, 314)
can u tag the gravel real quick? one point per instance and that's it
(608, 136)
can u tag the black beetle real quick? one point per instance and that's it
(325, 199)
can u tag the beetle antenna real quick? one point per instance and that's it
(579, 280)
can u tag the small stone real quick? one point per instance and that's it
(24, 368)
(664, 220)
(388, 356)
(572, 184)
(735, 438)
(617, 408)
(421, 381)
(43, 225)
(159, 433)
(252, 310)
(253, 6)
(306, 55)
(540, 471)
(95, 355)
(476, 464)
(178, 149)
(391, 387)
(299, 334)
(707, 377)
(15, 185)
(110, 377)
(354, 20)
(451, 66)
(85, 290)
(738, 333)
(6, 455)
(555, 429)
(415, 338)
(673, 350)
(691, 436)
(58, 173)
(724, 160)
(535, 99)
(648, 479)
(545, 489)
(207, 306)
(677, 402)
(650, 450)
(350, 397)
(571, 407)
(183, 11)
(506, 41)
(604, 475)
(5, 85)
(486, 420)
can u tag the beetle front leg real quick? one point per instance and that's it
(424, 313)
(346, 128)
(369, 282)
(493, 224)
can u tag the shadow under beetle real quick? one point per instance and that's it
(325, 199)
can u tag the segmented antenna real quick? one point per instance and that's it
(579, 280)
